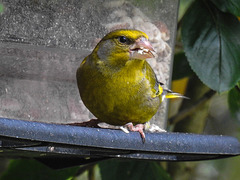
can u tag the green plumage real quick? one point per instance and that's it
(115, 86)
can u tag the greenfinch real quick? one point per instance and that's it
(117, 84)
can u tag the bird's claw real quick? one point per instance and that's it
(153, 128)
(124, 129)
(137, 128)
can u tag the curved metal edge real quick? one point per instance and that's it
(116, 139)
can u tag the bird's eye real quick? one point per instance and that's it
(124, 39)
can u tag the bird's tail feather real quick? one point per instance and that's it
(171, 95)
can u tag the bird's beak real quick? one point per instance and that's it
(141, 49)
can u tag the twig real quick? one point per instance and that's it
(82, 169)
(188, 111)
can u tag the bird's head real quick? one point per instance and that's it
(120, 46)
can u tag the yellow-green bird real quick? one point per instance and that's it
(117, 84)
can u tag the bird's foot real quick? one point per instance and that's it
(126, 128)
(108, 126)
(137, 128)
(153, 128)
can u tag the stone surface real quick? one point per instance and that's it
(43, 42)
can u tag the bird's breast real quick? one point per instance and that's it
(122, 96)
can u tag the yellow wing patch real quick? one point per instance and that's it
(165, 93)
(159, 92)
(83, 62)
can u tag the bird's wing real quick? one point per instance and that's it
(157, 86)
(152, 78)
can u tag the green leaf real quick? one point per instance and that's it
(1, 8)
(234, 101)
(211, 41)
(181, 67)
(132, 170)
(25, 169)
(231, 6)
